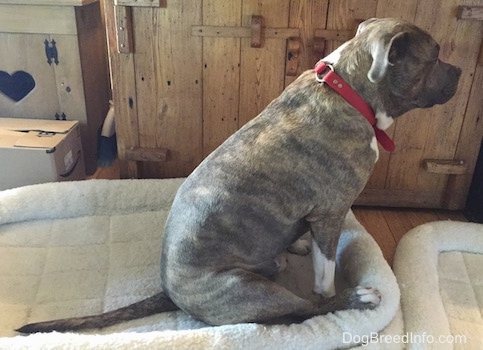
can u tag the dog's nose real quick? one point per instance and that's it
(456, 72)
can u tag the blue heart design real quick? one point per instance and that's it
(16, 86)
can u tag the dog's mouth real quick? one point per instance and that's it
(449, 91)
(436, 98)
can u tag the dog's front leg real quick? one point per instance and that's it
(324, 271)
(325, 237)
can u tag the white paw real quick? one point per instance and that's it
(300, 247)
(369, 295)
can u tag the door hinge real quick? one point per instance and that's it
(51, 52)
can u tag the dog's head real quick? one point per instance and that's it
(402, 60)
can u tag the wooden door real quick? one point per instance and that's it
(190, 73)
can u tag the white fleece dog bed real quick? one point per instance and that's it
(78, 248)
(439, 268)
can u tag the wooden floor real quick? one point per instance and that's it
(386, 225)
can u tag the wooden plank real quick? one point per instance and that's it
(140, 154)
(242, 32)
(338, 35)
(397, 9)
(221, 74)
(293, 54)
(152, 104)
(468, 147)
(306, 16)
(37, 19)
(221, 31)
(147, 86)
(95, 77)
(339, 20)
(448, 167)
(470, 12)
(399, 198)
(167, 94)
(124, 29)
(141, 3)
(124, 97)
(262, 69)
(178, 77)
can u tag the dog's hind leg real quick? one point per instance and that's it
(238, 296)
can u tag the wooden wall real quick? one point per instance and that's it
(194, 71)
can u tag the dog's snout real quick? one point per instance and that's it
(453, 72)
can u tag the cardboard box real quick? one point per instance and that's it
(35, 151)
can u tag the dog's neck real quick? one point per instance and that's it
(324, 73)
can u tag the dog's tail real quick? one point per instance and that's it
(147, 307)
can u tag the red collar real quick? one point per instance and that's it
(325, 74)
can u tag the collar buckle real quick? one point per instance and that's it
(321, 70)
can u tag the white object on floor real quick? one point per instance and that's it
(439, 270)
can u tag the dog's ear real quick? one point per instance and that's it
(387, 52)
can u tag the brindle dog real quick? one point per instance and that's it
(297, 167)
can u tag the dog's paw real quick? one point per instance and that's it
(362, 297)
(300, 247)
(368, 295)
